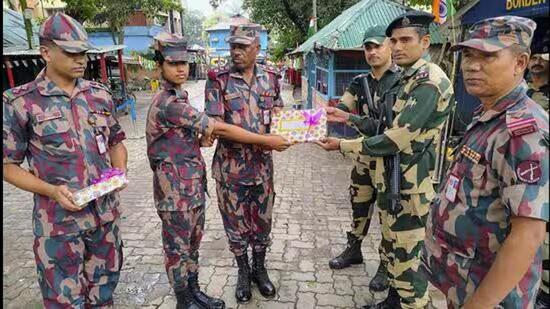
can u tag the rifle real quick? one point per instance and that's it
(370, 104)
(392, 163)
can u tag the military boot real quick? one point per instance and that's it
(543, 300)
(242, 291)
(380, 281)
(186, 300)
(393, 301)
(260, 276)
(351, 255)
(201, 298)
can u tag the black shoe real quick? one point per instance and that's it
(351, 255)
(393, 301)
(380, 281)
(260, 276)
(242, 291)
(201, 298)
(543, 300)
(186, 300)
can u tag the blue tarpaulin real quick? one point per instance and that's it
(485, 9)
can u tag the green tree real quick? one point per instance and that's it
(82, 10)
(193, 27)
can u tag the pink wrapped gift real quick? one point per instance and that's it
(109, 180)
(300, 125)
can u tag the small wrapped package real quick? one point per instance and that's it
(109, 180)
(300, 125)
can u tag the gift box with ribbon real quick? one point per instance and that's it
(300, 125)
(109, 180)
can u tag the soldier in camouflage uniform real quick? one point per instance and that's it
(64, 126)
(382, 76)
(539, 90)
(422, 105)
(174, 129)
(485, 229)
(245, 94)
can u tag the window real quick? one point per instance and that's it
(321, 84)
(350, 60)
(342, 80)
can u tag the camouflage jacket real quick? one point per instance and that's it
(173, 149)
(540, 95)
(421, 107)
(57, 132)
(228, 96)
(500, 171)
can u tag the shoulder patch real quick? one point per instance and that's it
(15, 92)
(214, 73)
(520, 122)
(271, 69)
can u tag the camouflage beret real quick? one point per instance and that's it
(65, 32)
(410, 19)
(244, 34)
(172, 46)
(494, 34)
(375, 34)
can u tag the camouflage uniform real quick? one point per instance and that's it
(179, 173)
(244, 173)
(362, 190)
(500, 171)
(78, 254)
(420, 110)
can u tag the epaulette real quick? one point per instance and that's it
(519, 121)
(214, 73)
(271, 69)
(15, 92)
(422, 74)
(99, 86)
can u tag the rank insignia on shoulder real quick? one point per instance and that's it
(529, 171)
(519, 126)
(422, 75)
(231, 96)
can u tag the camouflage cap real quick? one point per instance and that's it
(375, 34)
(65, 32)
(494, 34)
(410, 19)
(173, 47)
(244, 34)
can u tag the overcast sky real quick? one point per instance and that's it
(228, 6)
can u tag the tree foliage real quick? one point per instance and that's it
(193, 27)
(290, 18)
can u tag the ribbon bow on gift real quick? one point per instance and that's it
(108, 174)
(312, 119)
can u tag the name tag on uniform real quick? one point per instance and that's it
(267, 116)
(100, 140)
(452, 188)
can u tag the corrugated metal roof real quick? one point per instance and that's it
(13, 30)
(346, 30)
(24, 51)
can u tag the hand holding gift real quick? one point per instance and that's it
(109, 181)
(300, 126)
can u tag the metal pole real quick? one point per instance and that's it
(171, 20)
(103, 67)
(28, 25)
(11, 80)
(181, 22)
(315, 15)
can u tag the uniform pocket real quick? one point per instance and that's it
(54, 136)
(166, 185)
(192, 193)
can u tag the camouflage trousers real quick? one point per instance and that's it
(181, 237)
(402, 242)
(79, 270)
(246, 212)
(362, 197)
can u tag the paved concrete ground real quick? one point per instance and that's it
(311, 215)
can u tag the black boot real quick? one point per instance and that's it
(260, 276)
(543, 300)
(380, 281)
(186, 300)
(201, 298)
(351, 255)
(243, 292)
(393, 301)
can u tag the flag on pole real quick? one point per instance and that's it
(311, 29)
(442, 9)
